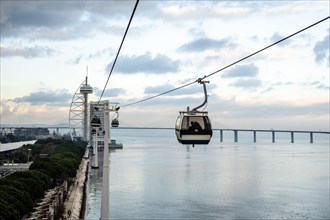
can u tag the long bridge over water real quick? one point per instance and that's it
(235, 131)
(273, 132)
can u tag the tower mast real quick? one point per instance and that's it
(86, 89)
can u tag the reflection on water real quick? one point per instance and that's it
(154, 177)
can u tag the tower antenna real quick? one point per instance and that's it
(86, 74)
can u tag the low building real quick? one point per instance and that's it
(31, 132)
(6, 131)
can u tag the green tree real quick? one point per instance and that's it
(7, 211)
(17, 198)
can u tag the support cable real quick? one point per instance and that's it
(238, 61)
(121, 44)
(265, 48)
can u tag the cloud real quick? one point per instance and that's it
(248, 70)
(112, 92)
(99, 53)
(192, 95)
(186, 91)
(282, 83)
(158, 89)
(203, 44)
(179, 103)
(207, 9)
(24, 113)
(38, 14)
(320, 85)
(221, 111)
(46, 97)
(247, 83)
(145, 64)
(37, 19)
(276, 37)
(322, 51)
(93, 55)
(274, 85)
(76, 60)
(26, 52)
(280, 109)
(60, 20)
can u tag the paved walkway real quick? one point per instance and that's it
(74, 202)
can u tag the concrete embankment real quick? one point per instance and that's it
(74, 202)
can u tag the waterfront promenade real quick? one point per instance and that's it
(74, 204)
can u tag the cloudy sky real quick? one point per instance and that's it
(46, 46)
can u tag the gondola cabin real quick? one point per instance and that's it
(115, 123)
(96, 122)
(193, 128)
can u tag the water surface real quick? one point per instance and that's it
(154, 177)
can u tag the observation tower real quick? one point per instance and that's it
(78, 116)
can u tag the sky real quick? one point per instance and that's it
(48, 47)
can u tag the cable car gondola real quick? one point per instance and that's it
(194, 127)
(115, 121)
(96, 122)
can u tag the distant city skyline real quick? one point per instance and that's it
(46, 46)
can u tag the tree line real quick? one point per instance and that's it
(54, 161)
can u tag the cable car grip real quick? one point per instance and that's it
(200, 81)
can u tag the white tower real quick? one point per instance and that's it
(78, 115)
(85, 90)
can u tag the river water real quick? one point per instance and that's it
(155, 177)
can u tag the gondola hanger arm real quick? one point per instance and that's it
(200, 81)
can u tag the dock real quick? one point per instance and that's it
(115, 145)
(112, 145)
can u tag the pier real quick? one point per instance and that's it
(272, 131)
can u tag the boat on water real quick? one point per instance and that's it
(112, 145)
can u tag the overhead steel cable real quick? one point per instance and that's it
(265, 48)
(152, 97)
(121, 44)
(240, 60)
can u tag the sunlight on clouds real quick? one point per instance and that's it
(177, 11)
(25, 113)
(207, 9)
(220, 10)
(296, 7)
(23, 109)
(278, 54)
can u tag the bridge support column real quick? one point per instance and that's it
(292, 137)
(221, 135)
(254, 136)
(235, 135)
(273, 136)
(311, 137)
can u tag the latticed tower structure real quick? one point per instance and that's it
(78, 116)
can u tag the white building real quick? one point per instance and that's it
(5, 131)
